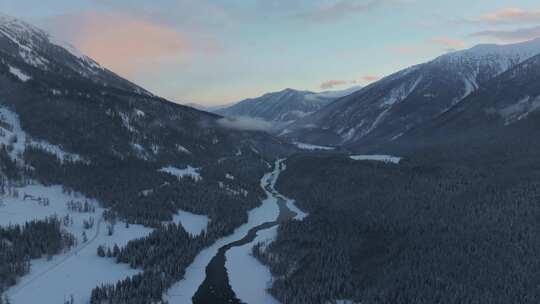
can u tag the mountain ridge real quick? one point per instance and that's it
(388, 108)
(283, 107)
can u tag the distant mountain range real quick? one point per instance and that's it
(282, 108)
(387, 109)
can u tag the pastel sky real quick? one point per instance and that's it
(220, 51)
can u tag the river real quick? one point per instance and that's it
(211, 283)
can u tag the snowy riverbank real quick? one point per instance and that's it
(250, 284)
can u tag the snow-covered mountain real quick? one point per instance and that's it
(284, 107)
(45, 81)
(387, 109)
(505, 110)
(39, 52)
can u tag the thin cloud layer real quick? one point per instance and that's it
(340, 9)
(245, 123)
(509, 16)
(370, 78)
(330, 84)
(518, 35)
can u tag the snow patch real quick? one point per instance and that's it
(311, 147)
(520, 110)
(378, 120)
(192, 223)
(400, 93)
(19, 74)
(182, 149)
(139, 113)
(181, 173)
(382, 158)
(127, 122)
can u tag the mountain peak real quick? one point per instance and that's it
(26, 47)
(387, 109)
(19, 28)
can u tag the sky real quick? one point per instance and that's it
(215, 52)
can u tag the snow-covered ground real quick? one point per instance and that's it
(311, 147)
(77, 271)
(250, 279)
(180, 173)
(193, 223)
(383, 158)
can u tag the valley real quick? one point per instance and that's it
(401, 174)
(216, 286)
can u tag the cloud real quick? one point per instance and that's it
(330, 84)
(245, 123)
(125, 44)
(190, 14)
(338, 10)
(370, 78)
(518, 35)
(509, 16)
(449, 43)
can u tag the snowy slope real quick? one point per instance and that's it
(77, 271)
(504, 109)
(192, 223)
(40, 50)
(44, 80)
(189, 171)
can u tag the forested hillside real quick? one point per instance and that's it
(443, 226)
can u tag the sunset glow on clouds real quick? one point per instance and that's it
(124, 44)
(510, 15)
(217, 52)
